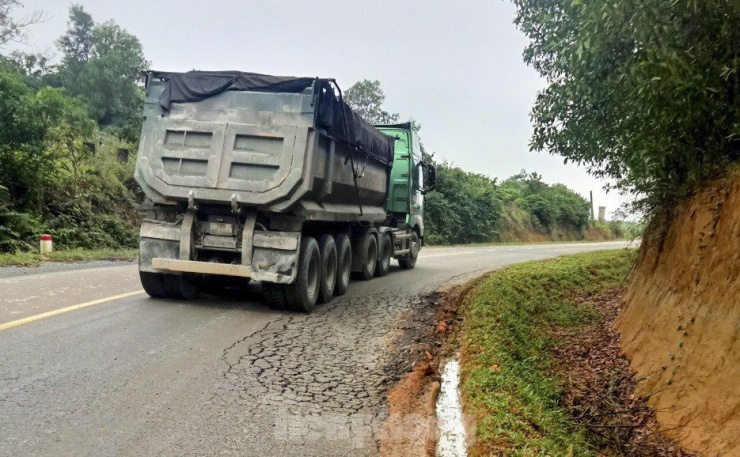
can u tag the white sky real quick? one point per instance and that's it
(455, 67)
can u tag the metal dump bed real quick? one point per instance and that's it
(285, 145)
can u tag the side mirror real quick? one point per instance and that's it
(431, 181)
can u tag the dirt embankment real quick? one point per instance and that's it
(681, 320)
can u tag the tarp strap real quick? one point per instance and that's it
(351, 148)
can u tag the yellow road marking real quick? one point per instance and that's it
(37, 317)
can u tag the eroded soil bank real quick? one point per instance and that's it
(681, 322)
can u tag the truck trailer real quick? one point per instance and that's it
(276, 179)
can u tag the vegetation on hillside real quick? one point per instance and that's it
(643, 92)
(472, 208)
(507, 361)
(61, 133)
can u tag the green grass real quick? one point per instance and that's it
(507, 367)
(72, 255)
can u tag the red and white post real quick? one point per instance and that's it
(46, 244)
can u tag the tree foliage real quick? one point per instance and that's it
(644, 92)
(473, 208)
(61, 127)
(77, 44)
(464, 209)
(101, 63)
(551, 206)
(13, 28)
(366, 98)
(50, 178)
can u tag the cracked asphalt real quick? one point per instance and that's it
(215, 376)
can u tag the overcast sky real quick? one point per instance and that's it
(455, 67)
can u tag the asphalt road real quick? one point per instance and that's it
(89, 365)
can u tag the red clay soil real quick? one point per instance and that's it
(411, 427)
(600, 390)
(681, 322)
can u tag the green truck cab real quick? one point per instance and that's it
(407, 186)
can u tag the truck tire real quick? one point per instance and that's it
(344, 263)
(367, 249)
(328, 250)
(304, 292)
(273, 295)
(153, 284)
(409, 262)
(385, 251)
(219, 285)
(181, 287)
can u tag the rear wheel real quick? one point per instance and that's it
(328, 250)
(273, 295)
(409, 262)
(153, 284)
(368, 252)
(219, 285)
(164, 285)
(384, 259)
(344, 263)
(182, 287)
(304, 292)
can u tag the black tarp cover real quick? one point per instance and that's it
(330, 114)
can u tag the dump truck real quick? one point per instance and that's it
(276, 179)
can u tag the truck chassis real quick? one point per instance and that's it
(185, 252)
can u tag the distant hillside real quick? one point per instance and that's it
(473, 208)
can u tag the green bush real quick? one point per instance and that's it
(472, 208)
(51, 181)
(465, 208)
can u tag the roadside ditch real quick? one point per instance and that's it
(541, 369)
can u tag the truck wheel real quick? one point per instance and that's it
(344, 263)
(304, 292)
(409, 261)
(219, 285)
(328, 250)
(181, 287)
(384, 260)
(273, 295)
(153, 284)
(368, 252)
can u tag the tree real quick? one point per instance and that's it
(68, 127)
(77, 44)
(366, 98)
(13, 29)
(34, 66)
(23, 168)
(645, 92)
(102, 64)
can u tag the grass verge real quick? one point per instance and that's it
(507, 382)
(72, 255)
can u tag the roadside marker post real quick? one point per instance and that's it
(45, 244)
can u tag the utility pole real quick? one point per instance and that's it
(591, 195)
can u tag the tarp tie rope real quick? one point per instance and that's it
(351, 148)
